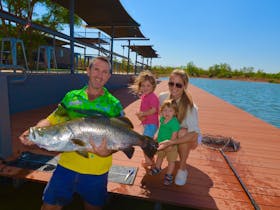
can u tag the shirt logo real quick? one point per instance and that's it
(75, 102)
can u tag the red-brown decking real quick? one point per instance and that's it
(211, 183)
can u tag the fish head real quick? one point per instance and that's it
(43, 134)
(35, 134)
(150, 147)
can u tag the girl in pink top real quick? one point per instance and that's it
(145, 85)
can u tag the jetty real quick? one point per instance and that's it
(246, 179)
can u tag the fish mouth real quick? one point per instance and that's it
(150, 148)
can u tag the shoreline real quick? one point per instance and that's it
(273, 81)
(243, 79)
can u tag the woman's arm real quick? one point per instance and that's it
(174, 136)
(183, 137)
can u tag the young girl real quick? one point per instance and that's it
(169, 127)
(145, 85)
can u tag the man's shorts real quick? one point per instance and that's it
(64, 183)
(171, 155)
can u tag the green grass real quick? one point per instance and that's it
(28, 196)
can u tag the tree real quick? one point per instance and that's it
(220, 70)
(54, 17)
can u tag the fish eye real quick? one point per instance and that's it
(40, 131)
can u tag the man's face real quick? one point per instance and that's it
(98, 74)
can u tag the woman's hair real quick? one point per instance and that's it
(143, 76)
(170, 103)
(186, 99)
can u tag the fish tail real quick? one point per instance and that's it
(149, 147)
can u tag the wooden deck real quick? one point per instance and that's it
(211, 183)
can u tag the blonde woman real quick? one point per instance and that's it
(189, 133)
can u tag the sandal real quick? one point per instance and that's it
(168, 179)
(155, 171)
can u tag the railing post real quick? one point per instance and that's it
(5, 125)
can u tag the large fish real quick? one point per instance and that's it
(74, 135)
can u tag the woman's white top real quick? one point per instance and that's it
(191, 120)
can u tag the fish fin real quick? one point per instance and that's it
(82, 153)
(129, 152)
(122, 121)
(78, 142)
(149, 146)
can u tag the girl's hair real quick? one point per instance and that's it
(143, 76)
(186, 99)
(170, 103)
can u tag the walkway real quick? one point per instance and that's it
(211, 183)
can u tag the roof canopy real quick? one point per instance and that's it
(92, 40)
(106, 15)
(145, 51)
(120, 31)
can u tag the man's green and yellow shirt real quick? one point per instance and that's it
(75, 104)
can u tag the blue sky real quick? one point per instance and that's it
(241, 33)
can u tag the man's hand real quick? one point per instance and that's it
(23, 137)
(24, 140)
(100, 150)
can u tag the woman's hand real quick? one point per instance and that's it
(163, 145)
(100, 150)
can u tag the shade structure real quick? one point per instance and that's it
(121, 31)
(108, 16)
(92, 40)
(145, 51)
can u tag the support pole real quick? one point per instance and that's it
(5, 125)
(112, 44)
(135, 67)
(72, 57)
(128, 57)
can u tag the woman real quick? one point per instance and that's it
(189, 133)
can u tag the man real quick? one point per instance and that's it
(75, 173)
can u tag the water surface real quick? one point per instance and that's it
(260, 99)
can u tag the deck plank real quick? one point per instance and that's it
(211, 183)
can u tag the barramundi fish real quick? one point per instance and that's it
(75, 135)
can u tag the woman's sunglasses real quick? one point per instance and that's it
(172, 84)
